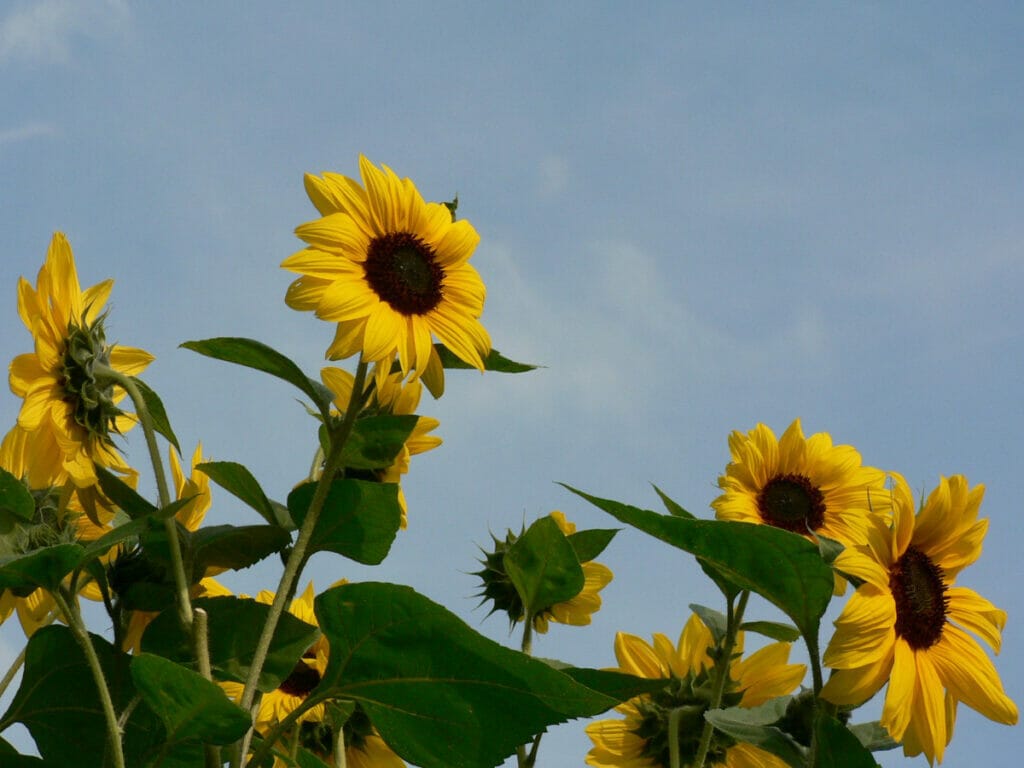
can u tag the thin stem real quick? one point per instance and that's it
(673, 737)
(734, 617)
(527, 644)
(297, 557)
(340, 758)
(15, 666)
(81, 635)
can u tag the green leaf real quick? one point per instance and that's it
(441, 694)
(254, 354)
(123, 495)
(873, 736)
(359, 520)
(837, 746)
(753, 725)
(113, 537)
(376, 441)
(58, 702)
(234, 625)
(618, 685)
(45, 567)
(191, 707)
(542, 565)
(672, 507)
(235, 546)
(591, 543)
(493, 362)
(713, 620)
(782, 567)
(773, 629)
(157, 412)
(15, 497)
(237, 480)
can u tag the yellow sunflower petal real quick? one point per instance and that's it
(971, 677)
(976, 614)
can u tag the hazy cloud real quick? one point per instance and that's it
(33, 130)
(554, 175)
(44, 31)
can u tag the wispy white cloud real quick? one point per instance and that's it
(33, 130)
(44, 31)
(554, 175)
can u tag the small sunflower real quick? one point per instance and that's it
(389, 396)
(69, 413)
(640, 740)
(906, 623)
(805, 485)
(577, 610)
(391, 270)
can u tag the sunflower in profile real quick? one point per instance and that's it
(908, 624)
(69, 409)
(805, 485)
(388, 394)
(641, 739)
(391, 270)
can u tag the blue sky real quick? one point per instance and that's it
(696, 219)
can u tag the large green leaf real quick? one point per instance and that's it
(123, 495)
(233, 628)
(44, 567)
(618, 685)
(15, 498)
(494, 361)
(239, 481)
(359, 519)
(591, 543)
(755, 725)
(157, 412)
(255, 354)
(782, 567)
(441, 694)
(837, 746)
(235, 546)
(375, 441)
(191, 707)
(543, 566)
(59, 704)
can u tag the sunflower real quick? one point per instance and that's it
(390, 395)
(640, 740)
(906, 623)
(68, 413)
(391, 270)
(805, 485)
(577, 610)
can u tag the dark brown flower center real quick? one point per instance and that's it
(792, 502)
(301, 681)
(919, 591)
(404, 272)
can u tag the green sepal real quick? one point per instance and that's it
(255, 354)
(440, 694)
(157, 412)
(782, 567)
(591, 543)
(191, 707)
(233, 628)
(359, 520)
(837, 746)
(45, 567)
(15, 498)
(376, 441)
(494, 361)
(237, 480)
(543, 566)
(755, 725)
(786, 633)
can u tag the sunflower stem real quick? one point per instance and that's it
(69, 610)
(734, 617)
(15, 666)
(340, 758)
(297, 557)
(673, 737)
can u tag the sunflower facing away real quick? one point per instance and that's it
(390, 396)
(391, 270)
(806, 485)
(68, 414)
(906, 623)
(640, 740)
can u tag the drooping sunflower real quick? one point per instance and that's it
(906, 623)
(391, 270)
(805, 485)
(640, 740)
(577, 610)
(69, 410)
(390, 395)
